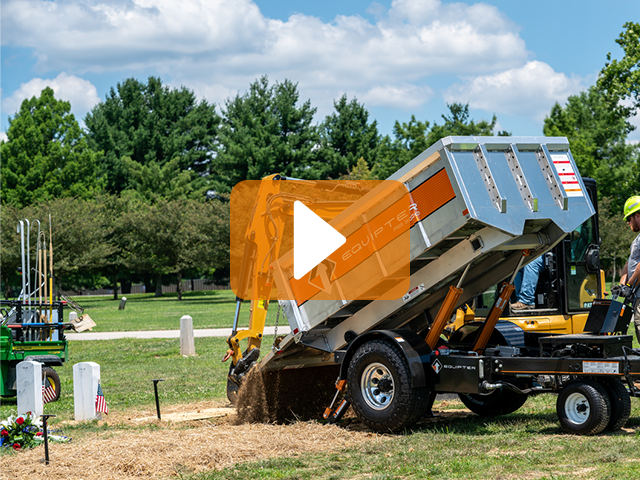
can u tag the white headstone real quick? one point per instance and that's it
(86, 377)
(187, 343)
(29, 383)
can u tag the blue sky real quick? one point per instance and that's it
(510, 58)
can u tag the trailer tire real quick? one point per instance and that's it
(54, 379)
(620, 403)
(379, 388)
(583, 407)
(498, 402)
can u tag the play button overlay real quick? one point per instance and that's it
(313, 240)
(317, 240)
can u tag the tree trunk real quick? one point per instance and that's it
(179, 284)
(158, 285)
(115, 285)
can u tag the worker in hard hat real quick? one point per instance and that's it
(631, 270)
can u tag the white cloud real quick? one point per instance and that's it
(530, 90)
(402, 96)
(3, 137)
(80, 93)
(229, 43)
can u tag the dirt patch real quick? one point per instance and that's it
(170, 451)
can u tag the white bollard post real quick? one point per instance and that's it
(29, 383)
(187, 343)
(86, 377)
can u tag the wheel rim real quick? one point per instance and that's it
(577, 408)
(377, 386)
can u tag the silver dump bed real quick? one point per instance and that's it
(482, 201)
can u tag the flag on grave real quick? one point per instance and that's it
(48, 391)
(101, 403)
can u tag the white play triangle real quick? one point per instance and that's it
(313, 240)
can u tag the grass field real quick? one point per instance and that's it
(143, 311)
(527, 444)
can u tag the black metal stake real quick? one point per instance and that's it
(46, 438)
(155, 388)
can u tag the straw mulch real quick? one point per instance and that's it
(157, 453)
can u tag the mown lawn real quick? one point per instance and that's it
(526, 444)
(143, 311)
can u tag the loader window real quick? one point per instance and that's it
(582, 286)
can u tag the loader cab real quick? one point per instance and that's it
(570, 281)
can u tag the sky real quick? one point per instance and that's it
(512, 59)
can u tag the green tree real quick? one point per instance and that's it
(10, 248)
(410, 140)
(346, 137)
(615, 234)
(458, 123)
(79, 239)
(151, 125)
(265, 131)
(620, 80)
(413, 138)
(46, 155)
(173, 236)
(598, 138)
(154, 181)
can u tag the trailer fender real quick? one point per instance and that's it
(415, 349)
(46, 360)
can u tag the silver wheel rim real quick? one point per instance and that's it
(376, 385)
(577, 408)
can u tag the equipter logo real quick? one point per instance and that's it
(437, 366)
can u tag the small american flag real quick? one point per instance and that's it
(48, 391)
(101, 403)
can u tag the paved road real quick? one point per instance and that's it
(197, 332)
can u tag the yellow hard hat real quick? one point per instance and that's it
(631, 206)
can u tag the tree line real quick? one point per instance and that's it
(140, 193)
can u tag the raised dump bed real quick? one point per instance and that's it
(479, 201)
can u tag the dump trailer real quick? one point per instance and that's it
(479, 209)
(571, 279)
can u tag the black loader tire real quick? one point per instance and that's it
(394, 406)
(54, 379)
(620, 403)
(583, 407)
(498, 402)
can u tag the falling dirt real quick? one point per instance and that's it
(252, 399)
(286, 395)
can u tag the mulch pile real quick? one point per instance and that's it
(172, 448)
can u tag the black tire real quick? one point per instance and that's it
(498, 402)
(620, 403)
(379, 388)
(54, 380)
(583, 407)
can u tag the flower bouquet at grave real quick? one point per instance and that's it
(25, 431)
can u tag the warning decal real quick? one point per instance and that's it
(567, 175)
